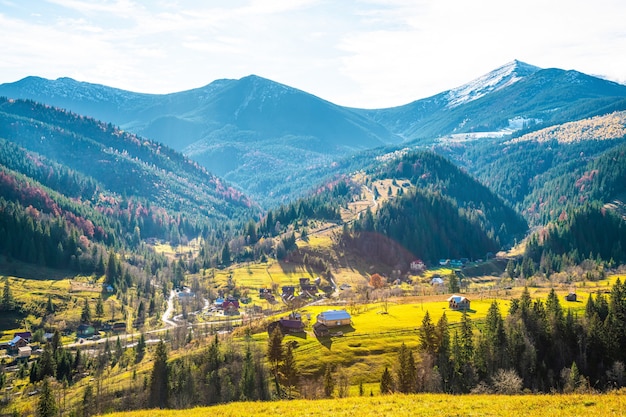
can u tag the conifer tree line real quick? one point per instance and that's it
(221, 372)
(590, 235)
(537, 347)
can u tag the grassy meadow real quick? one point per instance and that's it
(415, 405)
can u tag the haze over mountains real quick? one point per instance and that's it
(266, 137)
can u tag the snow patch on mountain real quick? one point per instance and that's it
(495, 80)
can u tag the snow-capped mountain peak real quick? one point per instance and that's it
(493, 81)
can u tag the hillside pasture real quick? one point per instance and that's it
(415, 405)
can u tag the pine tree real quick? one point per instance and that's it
(406, 378)
(289, 368)
(56, 341)
(246, 384)
(226, 255)
(47, 406)
(77, 360)
(386, 382)
(159, 379)
(89, 401)
(99, 308)
(49, 306)
(453, 283)
(8, 303)
(85, 315)
(47, 365)
(119, 351)
(467, 338)
(212, 372)
(443, 351)
(140, 348)
(427, 335)
(275, 353)
(329, 382)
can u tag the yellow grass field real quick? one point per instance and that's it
(414, 405)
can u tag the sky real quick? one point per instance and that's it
(359, 53)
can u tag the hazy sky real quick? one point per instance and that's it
(359, 53)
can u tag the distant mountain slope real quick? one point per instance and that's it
(550, 170)
(606, 127)
(239, 129)
(118, 162)
(514, 96)
(261, 135)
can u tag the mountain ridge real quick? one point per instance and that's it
(259, 134)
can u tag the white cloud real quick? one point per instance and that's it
(368, 53)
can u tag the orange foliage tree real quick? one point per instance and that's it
(377, 281)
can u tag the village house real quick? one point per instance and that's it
(15, 344)
(185, 294)
(24, 335)
(288, 290)
(436, 281)
(456, 263)
(334, 318)
(417, 266)
(291, 324)
(119, 327)
(570, 297)
(230, 306)
(458, 302)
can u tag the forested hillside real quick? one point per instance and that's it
(589, 232)
(422, 225)
(112, 157)
(551, 170)
(431, 172)
(443, 213)
(73, 189)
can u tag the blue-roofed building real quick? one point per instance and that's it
(334, 318)
(458, 302)
(16, 343)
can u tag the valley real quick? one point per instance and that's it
(148, 254)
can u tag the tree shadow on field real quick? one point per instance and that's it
(326, 341)
(287, 267)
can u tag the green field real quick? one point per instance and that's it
(371, 343)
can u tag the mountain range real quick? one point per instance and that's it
(274, 142)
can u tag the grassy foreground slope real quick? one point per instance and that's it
(415, 405)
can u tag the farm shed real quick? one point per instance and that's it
(320, 330)
(24, 352)
(458, 302)
(334, 318)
